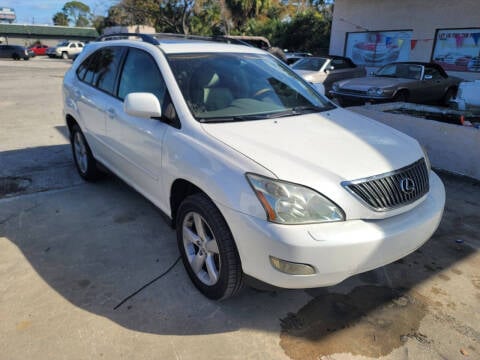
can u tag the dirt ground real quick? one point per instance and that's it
(72, 252)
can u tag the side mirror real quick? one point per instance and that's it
(428, 77)
(144, 105)
(329, 68)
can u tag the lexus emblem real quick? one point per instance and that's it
(407, 185)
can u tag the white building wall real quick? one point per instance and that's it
(421, 16)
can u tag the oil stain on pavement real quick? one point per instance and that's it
(370, 321)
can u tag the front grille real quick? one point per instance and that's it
(352, 92)
(391, 190)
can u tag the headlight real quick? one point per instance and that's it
(375, 91)
(427, 160)
(288, 203)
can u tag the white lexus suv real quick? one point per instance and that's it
(263, 178)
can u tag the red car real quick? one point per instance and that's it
(39, 49)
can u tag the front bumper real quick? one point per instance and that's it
(361, 97)
(336, 250)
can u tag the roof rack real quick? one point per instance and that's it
(155, 39)
(117, 36)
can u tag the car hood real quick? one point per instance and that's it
(310, 149)
(365, 83)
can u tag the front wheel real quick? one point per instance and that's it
(207, 248)
(401, 96)
(64, 55)
(82, 155)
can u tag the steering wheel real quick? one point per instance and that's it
(262, 92)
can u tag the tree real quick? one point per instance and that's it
(77, 13)
(60, 19)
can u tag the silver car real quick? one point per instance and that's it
(401, 81)
(327, 70)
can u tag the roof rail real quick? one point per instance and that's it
(215, 38)
(117, 36)
(155, 39)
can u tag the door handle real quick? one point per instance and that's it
(111, 113)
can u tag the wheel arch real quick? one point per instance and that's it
(179, 191)
(71, 122)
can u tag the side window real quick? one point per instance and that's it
(82, 69)
(339, 64)
(141, 74)
(73, 46)
(100, 68)
(108, 65)
(431, 73)
(80, 45)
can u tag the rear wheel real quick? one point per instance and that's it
(84, 160)
(208, 249)
(15, 57)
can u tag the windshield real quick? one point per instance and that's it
(236, 87)
(406, 71)
(313, 64)
(62, 43)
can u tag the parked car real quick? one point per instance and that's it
(262, 177)
(468, 96)
(474, 64)
(65, 49)
(39, 49)
(401, 81)
(327, 70)
(293, 57)
(31, 54)
(14, 52)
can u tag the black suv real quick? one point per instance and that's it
(15, 52)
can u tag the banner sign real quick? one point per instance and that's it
(458, 49)
(377, 48)
(7, 14)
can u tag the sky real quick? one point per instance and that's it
(42, 11)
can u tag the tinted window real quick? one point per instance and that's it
(73, 46)
(80, 45)
(340, 64)
(108, 65)
(100, 68)
(141, 74)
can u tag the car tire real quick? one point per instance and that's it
(82, 155)
(449, 95)
(15, 57)
(65, 55)
(209, 254)
(401, 96)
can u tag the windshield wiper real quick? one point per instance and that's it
(296, 110)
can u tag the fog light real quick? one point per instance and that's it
(291, 268)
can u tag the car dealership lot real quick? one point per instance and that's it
(71, 252)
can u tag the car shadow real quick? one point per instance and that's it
(95, 244)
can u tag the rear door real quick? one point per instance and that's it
(94, 92)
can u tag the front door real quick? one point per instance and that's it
(137, 142)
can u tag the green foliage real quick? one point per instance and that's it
(297, 25)
(60, 18)
(77, 13)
